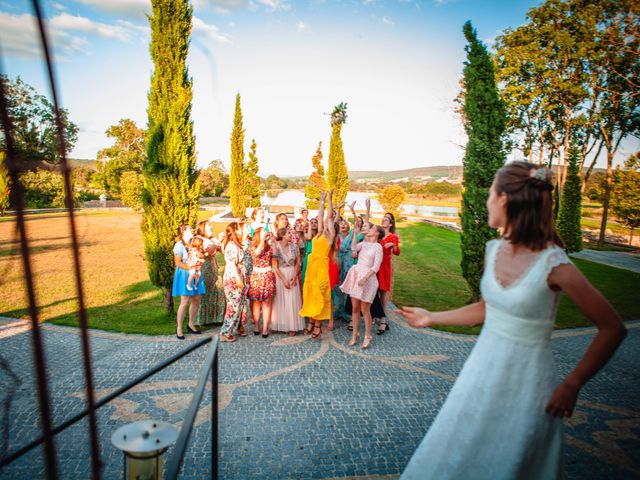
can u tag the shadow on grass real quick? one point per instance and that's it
(139, 310)
(15, 250)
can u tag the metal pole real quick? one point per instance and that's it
(214, 416)
(96, 463)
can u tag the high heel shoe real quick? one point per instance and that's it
(317, 330)
(354, 339)
(193, 330)
(367, 342)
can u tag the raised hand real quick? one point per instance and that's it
(323, 197)
(352, 206)
(367, 204)
(416, 317)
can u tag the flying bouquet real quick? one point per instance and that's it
(339, 114)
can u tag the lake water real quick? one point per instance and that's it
(296, 198)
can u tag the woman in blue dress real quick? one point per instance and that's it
(188, 298)
(503, 416)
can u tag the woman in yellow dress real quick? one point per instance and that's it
(316, 298)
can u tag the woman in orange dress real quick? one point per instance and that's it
(316, 298)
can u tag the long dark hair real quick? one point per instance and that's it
(392, 228)
(529, 191)
(231, 235)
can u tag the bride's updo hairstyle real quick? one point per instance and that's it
(529, 190)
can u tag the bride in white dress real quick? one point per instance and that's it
(503, 416)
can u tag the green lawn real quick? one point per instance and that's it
(428, 274)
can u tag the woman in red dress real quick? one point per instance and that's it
(390, 246)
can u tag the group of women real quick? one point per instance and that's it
(319, 269)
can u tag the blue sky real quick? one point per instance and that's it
(397, 64)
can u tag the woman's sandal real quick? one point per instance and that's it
(317, 330)
(354, 340)
(308, 329)
(384, 326)
(241, 331)
(367, 342)
(350, 327)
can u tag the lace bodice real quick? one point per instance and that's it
(369, 256)
(525, 309)
(287, 257)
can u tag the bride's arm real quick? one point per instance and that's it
(419, 317)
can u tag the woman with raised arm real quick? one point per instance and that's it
(503, 416)
(262, 283)
(316, 299)
(361, 282)
(212, 303)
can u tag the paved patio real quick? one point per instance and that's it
(297, 408)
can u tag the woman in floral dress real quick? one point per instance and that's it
(262, 283)
(233, 284)
(212, 303)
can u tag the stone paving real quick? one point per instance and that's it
(291, 407)
(627, 261)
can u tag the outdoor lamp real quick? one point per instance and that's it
(144, 444)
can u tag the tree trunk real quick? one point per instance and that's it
(607, 195)
(168, 301)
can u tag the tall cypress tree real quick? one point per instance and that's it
(485, 123)
(317, 183)
(171, 189)
(237, 185)
(570, 213)
(337, 173)
(251, 179)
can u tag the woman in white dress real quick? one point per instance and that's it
(288, 299)
(361, 282)
(503, 416)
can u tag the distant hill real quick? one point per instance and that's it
(82, 162)
(451, 171)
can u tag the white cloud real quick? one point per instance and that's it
(224, 7)
(58, 6)
(122, 7)
(65, 22)
(20, 38)
(144, 30)
(387, 21)
(301, 26)
(200, 27)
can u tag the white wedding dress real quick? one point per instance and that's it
(493, 424)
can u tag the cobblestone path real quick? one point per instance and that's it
(295, 408)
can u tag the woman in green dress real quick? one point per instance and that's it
(212, 303)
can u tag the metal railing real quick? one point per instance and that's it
(15, 166)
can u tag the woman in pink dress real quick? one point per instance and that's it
(361, 283)
(287, 300)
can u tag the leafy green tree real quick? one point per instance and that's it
(171, 189)
(131, 187)
(625, 194)
(273, 182)
(5, 186)
(391, 197)
(237, 187)
(485, 123)
(33, 118)
(337, 173)
(43, 189)
(127, 154)
(214, 179)
(570, 214)
(317, 181)
(251, 179)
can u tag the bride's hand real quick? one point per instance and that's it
(416, 317)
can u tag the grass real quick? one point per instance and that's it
(119, 297)
(428, 275)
